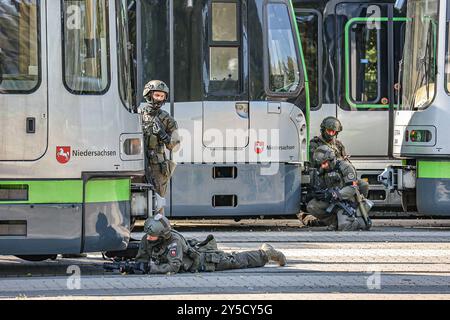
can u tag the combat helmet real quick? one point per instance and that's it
(155, 85)
(330, 123)
(324, 153)
(158, 226)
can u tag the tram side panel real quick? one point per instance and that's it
(76, 197)
(236, 144)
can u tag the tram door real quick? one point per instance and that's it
(226, 117)
(23, 80)
(369, 48)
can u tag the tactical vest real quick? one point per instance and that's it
(155, 147)
(336, 146)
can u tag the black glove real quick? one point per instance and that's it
(158, 130)
(332, 194)
(141, 268)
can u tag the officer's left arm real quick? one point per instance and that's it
(341, 149)
(171, 128)
(349, 177)
(143, 254)
(174, 260)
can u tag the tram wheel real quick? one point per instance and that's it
(36, 258)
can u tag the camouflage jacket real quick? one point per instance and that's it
(335, 144)
(341, 177)
(167, 255)
(153, 144)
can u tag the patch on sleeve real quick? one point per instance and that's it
(173, 247)
(351, 176)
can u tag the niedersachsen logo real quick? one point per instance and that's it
(93, 153)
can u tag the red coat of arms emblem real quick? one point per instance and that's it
(62, 154)
(259, 147)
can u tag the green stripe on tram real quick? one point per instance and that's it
(70, 191)
(108, 190)
(433, 169)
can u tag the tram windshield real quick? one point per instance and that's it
(419, 59)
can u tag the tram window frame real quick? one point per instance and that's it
(38, 58)
(128, 102)
(350, 68)
(301, 79)
(216, 87)
(108, 51)
(347, 97)
(436, 45)
(319, 55)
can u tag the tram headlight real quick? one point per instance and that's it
(132, 146)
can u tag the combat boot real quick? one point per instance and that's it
(273, 254)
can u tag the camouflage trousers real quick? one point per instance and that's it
(219, 260)
(318, 208)
(160, 179)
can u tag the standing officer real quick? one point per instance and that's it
(338, 180)
(164, 250)
(159, 129)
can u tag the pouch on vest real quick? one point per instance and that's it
(212, 257)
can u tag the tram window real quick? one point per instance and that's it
(224, 48)
(19, 46)
(224, 64)
(86, 46)
(311, 35)
(125, 69)
(284, 75)
(364, 63)
(224, 21)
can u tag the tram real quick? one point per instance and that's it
(420, 136)
(239, 94)
(352, 49)
(70, 141)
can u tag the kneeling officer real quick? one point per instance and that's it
(163, 250)
(338, 203)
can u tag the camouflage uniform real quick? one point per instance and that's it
(334, 144)
(160, 131)
(172, 253)
(337, 146)
(341, 154)
(160, 168)
(341, 176)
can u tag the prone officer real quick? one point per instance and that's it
(163, 250)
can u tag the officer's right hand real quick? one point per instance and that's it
(331, 194)
(141, 267)
(156, 127)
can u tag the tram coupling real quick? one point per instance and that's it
(145, 202)
(398, 178)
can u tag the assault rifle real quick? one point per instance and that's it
(362, 207)
(129, 267)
